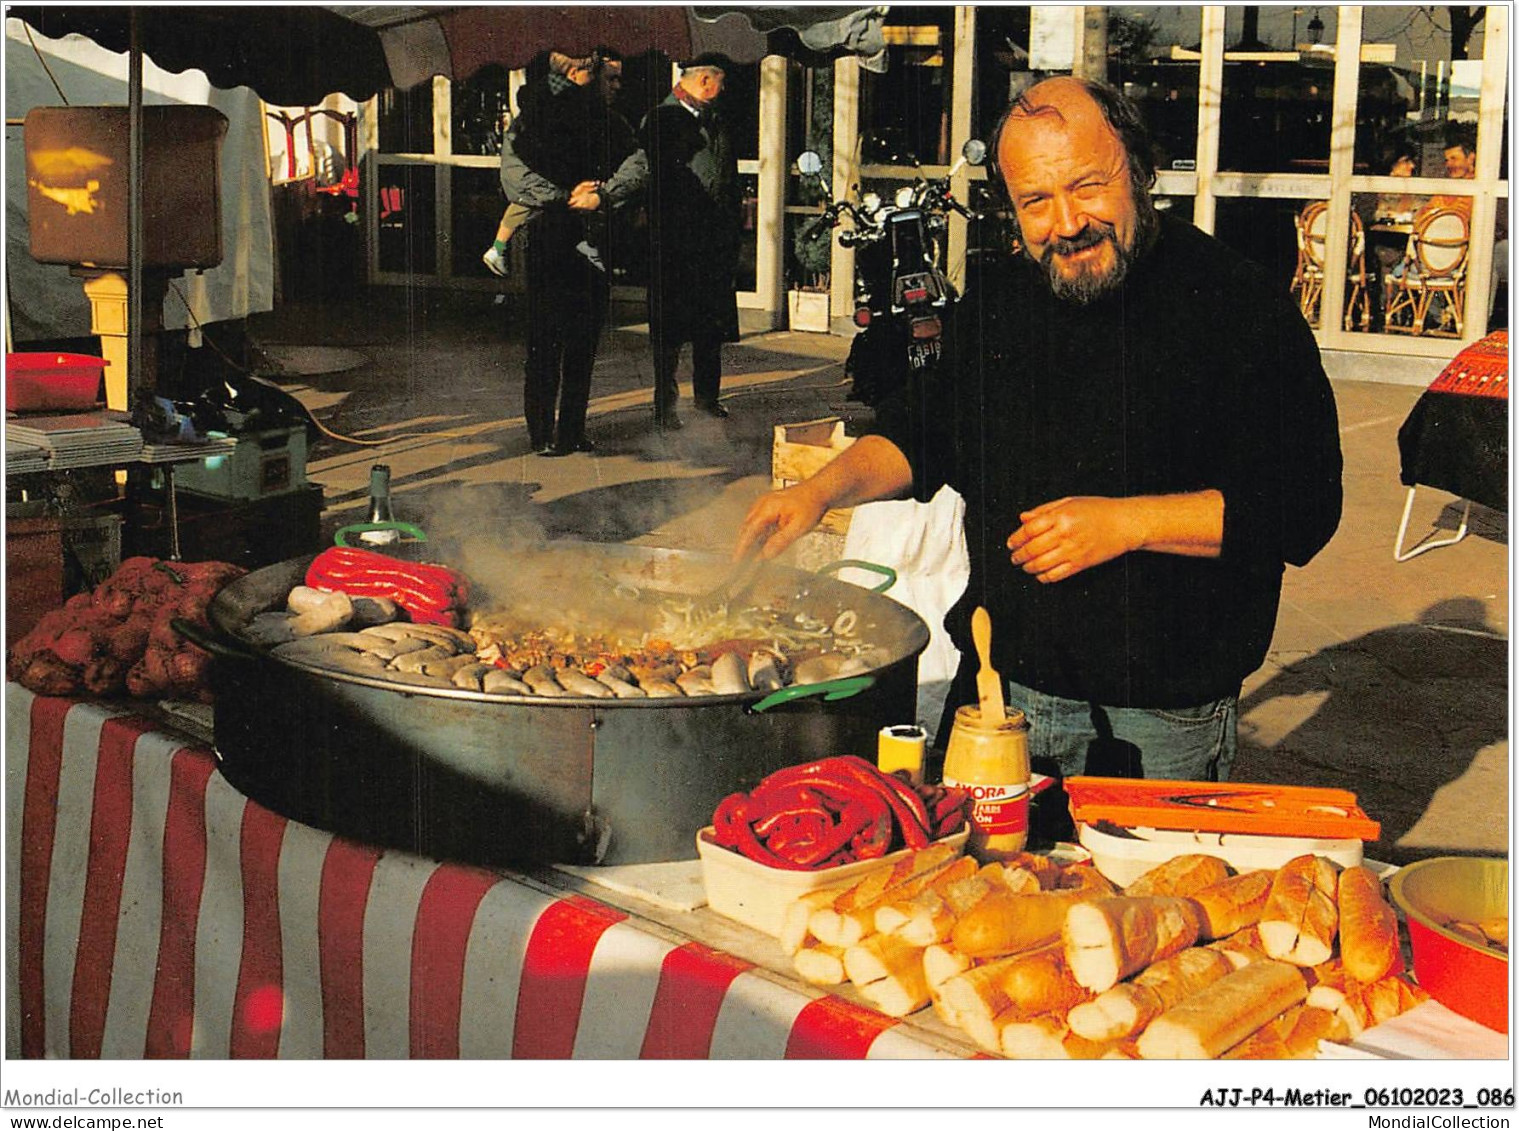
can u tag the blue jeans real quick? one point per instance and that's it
(1179, 743)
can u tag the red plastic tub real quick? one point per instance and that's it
(1470, 979)
(52, 382)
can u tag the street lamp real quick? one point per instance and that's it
(1316, 28)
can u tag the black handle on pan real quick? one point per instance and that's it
(212, 643)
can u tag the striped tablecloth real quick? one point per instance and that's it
(154, 911)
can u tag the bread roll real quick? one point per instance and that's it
(820, 965)
(1109, 939)
(1047, 1037)
(881, 956)
(1128, 1007)
(1299, 922)
(794, 931)
(1085, 877)
(1293, 1036)
(1029, 984)
(1004, 923)
(1236, 903)
(1221, 1016)
(1368, 927)
(941, 963)
(1180, 875)
(1241, 948)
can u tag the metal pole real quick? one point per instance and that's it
(135, 374)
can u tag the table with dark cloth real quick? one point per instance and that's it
(1456, 436)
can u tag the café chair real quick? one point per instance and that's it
(1310, 226)
(1434, 265)
(1357, 281)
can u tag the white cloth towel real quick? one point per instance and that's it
(925, 544)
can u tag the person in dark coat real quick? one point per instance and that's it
(565, 135)
(686, 162)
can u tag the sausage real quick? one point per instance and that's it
(576, 682)
(661, 689)
(469, 677)
(500, 682)
(730, 675)
(540, 679)
(620, 687)
(764, 673)
(697, 681)
(820, 668)
(413, 661)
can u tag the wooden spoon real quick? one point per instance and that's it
(988, 682)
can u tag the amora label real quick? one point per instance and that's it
(996, 809)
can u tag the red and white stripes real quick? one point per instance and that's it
(156, 912)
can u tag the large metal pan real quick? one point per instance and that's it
(493, 779)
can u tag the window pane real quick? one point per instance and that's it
(1143, 49)
(1407, 285)
(408, 204)
(748, 236)
(1278, 89)
(908, 108)
(1177, 206)
(479, 109)
(808, 252)
(477, 207)
(405, 119)
(1497, 318)
(1263, 230)
(809, 126)
(1421, 71)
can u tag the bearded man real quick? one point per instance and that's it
(1142, 430)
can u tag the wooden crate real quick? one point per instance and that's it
(803, 449)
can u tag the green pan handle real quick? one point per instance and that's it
(341, 537)
(830, 690)
(850, 563)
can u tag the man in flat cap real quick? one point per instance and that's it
(687, 164)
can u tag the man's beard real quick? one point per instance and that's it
(1091, 282)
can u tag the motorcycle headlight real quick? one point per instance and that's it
(870, 203)
(904, 196)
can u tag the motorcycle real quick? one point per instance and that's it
(901, 293)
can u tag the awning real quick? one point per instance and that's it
(295, 56)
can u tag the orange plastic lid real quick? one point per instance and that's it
(1221, 807)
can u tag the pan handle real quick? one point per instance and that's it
(410, 529)
(851, 563)
(210, 642)
(830, 690)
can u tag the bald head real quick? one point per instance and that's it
(1077, 183)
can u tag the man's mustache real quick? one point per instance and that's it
(1093, 234)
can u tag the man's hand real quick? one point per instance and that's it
(778, 519)
(1060, 539)
(585, 197)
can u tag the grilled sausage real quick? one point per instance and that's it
(576, 682)
(540, 679)
(500, 682)
(730, 675)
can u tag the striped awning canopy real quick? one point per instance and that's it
(293, 56)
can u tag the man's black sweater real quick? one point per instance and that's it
(1197, 373)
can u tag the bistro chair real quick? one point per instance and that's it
(1308, 280)
(1357, 287)
(1434, 265)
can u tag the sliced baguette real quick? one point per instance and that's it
(1181, 876)
(1029, 984)
(1222, 1015)
(1236, 903)
(1299, 921)
(1109, 939)
(820, 965)
(1125, 1009)
(1004, 923)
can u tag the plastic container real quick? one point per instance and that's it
(1470, 979)
(52, 382)
(1124, 858)
(757, 895)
